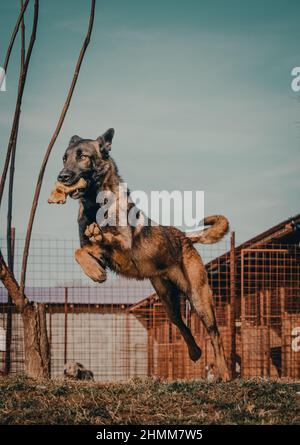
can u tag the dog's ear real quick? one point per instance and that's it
(105, 142)
(108, 135)
(74, 139)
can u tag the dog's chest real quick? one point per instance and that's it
(123, 264)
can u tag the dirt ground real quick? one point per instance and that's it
(25, 401)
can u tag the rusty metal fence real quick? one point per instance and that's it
(119, 329)
(270, 311)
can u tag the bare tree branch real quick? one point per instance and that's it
(51, 144)
(13, 153)
(37, 355)
(36, 345)
(22, 38)
(13, 36)
(6, 272)
(11, 285)
(10, 230)
(13, 134)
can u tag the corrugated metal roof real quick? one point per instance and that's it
(113, 291)
(275, 233)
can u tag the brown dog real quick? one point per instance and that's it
(165, 255)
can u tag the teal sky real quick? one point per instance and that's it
(198, 92)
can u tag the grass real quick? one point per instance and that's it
(25, 401)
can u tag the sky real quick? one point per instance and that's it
(199, 93)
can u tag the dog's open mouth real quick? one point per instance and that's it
(78, 193)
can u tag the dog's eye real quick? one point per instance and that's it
(82, 157)
(64, 159)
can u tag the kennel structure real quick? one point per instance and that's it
(87, 325)
(119, 329)
(256, 292)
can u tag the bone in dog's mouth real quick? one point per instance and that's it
(61, 191)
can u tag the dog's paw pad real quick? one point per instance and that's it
(93, 232)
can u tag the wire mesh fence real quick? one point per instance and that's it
(118, 329)
(270, 311)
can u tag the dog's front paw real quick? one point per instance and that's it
(90, 265)
(97, 274)
(94, 233)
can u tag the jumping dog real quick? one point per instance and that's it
(145, 250)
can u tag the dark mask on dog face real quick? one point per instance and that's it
(86, 158)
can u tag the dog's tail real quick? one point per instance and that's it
(219, 226)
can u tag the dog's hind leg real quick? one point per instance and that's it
(200, 296)
(169, 296)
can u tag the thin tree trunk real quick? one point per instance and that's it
(10, 230)
(10, 283)
(37, 351)
(37, 362)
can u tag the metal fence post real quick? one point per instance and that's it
(66, 326)
(50, 335)
(9, 319)
(232, 306)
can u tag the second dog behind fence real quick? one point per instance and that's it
(77, 371)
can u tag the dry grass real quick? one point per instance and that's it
(24, 401)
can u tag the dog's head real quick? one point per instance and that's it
(71, 369)
(77, 371)
(88, 159)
